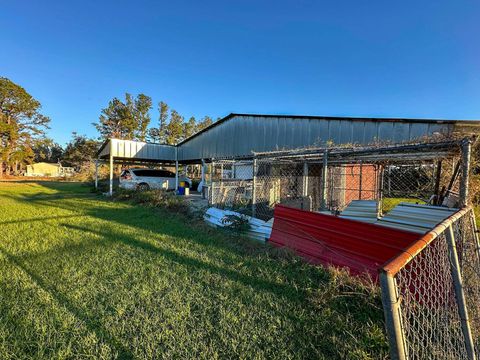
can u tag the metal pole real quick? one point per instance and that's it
(360, 181)
(466, 157)
(96, 174)
(323, 203)
(110, 191)
(203, 178)
(254, 188)
(459, 294)
(176, 170)
(393, 320)
(305, 179)
(380, 174)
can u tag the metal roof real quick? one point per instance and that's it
(136, 151)
(416, 218)
(320, 117)
(238, 135)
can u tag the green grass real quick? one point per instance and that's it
(85, 277)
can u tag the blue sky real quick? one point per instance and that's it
(352, 58)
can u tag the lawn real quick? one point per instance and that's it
(82, 276)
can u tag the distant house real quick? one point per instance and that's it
(48, 170)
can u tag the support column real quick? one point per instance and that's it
(459, 294)
(96, 174)
(393, 322)
(110, 191)
(466, 157)
(323, 204)
(176, 170)
(254, 188)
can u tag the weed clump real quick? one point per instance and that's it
(154, 198)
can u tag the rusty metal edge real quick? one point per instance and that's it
(393, 266)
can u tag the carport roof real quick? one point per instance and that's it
(136, 151)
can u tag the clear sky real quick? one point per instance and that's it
(352, 58)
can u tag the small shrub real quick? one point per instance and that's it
(237, 223)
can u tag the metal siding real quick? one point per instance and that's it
(385, 130)
(418, 130)
(331, 240)
(400, 132)
(358, 132)
(240, 135)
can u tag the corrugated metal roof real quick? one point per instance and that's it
(414, 217)
(238, 135)
(136, 151)
(361, 210)
(341, 242)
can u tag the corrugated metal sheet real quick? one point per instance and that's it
(137, 150)
(238, 135)
(361, 210)
(413, 217)
(331, 240)
(259, 230)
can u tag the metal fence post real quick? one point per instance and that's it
(305, 179)
(393, 322)
(466, 158)
(459, 294)
(212, 189)
(323, 203)
(254, 188)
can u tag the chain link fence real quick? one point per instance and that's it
(329, 180)
(431, 294)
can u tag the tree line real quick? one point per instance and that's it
(23, 128)
(130, 119)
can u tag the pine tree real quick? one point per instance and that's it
(20, 124)
(175, 128)
(189, 128)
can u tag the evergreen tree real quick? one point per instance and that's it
(125, 120)
(189, 128)
(20, 124)
(80, 151)
(142, 106)
(206, 121)
(174, 128)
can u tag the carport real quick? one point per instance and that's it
(134, 153)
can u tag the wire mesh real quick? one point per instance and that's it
(430, 318)
(469, 257)
(305, 185)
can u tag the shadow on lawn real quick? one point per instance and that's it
(129, 216)
(91, 324)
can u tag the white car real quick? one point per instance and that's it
(146, 179)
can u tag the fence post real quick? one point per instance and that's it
(466, 157)
(254, 187)
(212, 190)
(393, 322)
(459, 294)
(323, 204)
(305, 179)
(360, 181)
(380, 172)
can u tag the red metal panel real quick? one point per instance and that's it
(330, 240)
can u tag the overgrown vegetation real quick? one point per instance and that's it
(86, 277)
